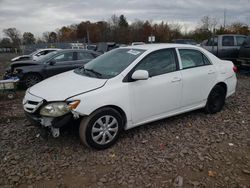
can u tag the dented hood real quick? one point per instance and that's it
(65, 85)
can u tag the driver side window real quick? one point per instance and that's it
(64, 57)
(159, 62)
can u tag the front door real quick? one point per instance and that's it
(161, 93)
(61, 63)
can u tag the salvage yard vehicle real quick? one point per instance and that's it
(225, 46)
(34, 55)
(32, 72)
(131, 86)
(9, 87)
(244, 53)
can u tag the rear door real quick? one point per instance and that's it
(199, 76)
(60, 63)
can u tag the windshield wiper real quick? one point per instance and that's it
(92, 71)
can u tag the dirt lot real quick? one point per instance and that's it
(190, 150)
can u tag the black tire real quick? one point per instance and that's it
(31, 79)
(89, 128)
(216, 100)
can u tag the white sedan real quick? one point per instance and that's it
(131, 86)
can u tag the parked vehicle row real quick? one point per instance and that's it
(30, 72)
(128, 87)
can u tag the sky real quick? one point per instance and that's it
(38, 16)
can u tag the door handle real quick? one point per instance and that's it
(211, 72)
(176, 79)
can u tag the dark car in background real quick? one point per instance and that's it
(244, 53)
(31, 72)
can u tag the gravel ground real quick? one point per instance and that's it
(189, 150)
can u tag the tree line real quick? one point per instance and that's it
(117, 29)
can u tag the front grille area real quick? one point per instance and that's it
(32, 106)
(31, 103)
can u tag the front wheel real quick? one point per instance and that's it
(31, 79)
(216, 100)
(101, 129)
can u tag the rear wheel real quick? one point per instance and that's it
(31, 79)
(216, 100)
(101, 129)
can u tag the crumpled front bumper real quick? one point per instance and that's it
(9, 75)
(32, 105)
(57, 122)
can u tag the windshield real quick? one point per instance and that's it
(110, 64)
(33, 53)
(47, 56)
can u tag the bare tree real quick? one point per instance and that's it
(46, 36)
(14, 35)
(209, 23)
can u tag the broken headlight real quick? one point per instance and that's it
(57, 109)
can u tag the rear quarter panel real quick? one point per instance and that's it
(227, 75)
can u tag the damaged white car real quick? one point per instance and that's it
(130, 86)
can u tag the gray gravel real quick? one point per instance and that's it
(189, 150)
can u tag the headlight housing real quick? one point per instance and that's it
(57, 109)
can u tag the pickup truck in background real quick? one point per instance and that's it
(225, 46)
(244, 54)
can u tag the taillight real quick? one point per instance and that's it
(235, 69)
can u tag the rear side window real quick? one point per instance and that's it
(192, 58)
(227, 41)
(84, 55)
(159, 62)
(48, 51)
(64, 57)
(41, 53)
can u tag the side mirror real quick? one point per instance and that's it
(140, 75)
(52, 62)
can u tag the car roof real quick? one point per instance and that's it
(77, 50)
(42, 49)
(159, 46)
